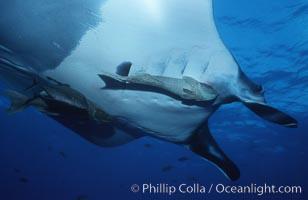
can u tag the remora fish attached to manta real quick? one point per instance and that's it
(171, 39)
(53, 98)
(186, 88)
(62, 103)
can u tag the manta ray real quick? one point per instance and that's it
(174, 41)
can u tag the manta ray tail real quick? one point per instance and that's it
(203, 144)
(272, 114)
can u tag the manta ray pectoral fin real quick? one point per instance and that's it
(124, 68)
(18, 101)
(272, 114)
(203, 144)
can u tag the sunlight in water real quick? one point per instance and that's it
(153, 8)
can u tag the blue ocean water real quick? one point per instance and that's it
(40, 159)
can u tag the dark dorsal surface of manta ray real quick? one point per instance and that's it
(173, 39)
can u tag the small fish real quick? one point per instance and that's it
(62, 154)
(183, 158)
(16, 170)
(82, 197)
(167, 168)
(147, 145)
(50, 148)
(24, 180)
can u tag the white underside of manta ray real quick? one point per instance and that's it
(171, 39)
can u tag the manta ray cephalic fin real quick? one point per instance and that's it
(203, 144)
(272, 114)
